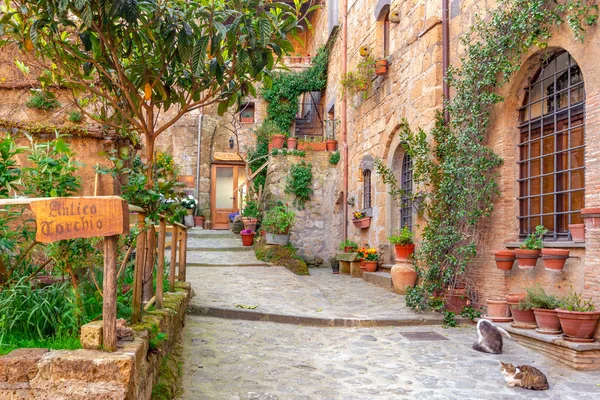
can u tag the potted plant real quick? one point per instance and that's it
(529, 251)
(578, 317)
(232, 218)
(577, 232)
(360, 220)
(505, 259)
(250, 214)
(292, 143)
(277, 222)
(514, 298)
(544, 309)
(498, 309)
(247, 237)
(361, 254)
(555, 259)
(199, 220)
(247, 117)
(297, 59)
(381, 67)
(403, 243)
(189, 203)
(371, 257)
(456, 299)
(348, 246)
(523, 315)
(271, 130)
(360, 80)
(331, 143)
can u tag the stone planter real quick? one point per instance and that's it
(199, 221)
(330, 145)
(277, 141)
(527, 258)
(404, 252)
(370, 266)
(577, 232)
(247, 239)
(292, 143)
(578, 325)
(456, 300)
(554, 259)
(381, 67)
(276, 239)
(497, 308)
(403, 277)
(362, 223)
(505, 259)
(250, 223)
(547, 321)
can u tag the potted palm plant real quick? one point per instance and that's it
(348, 246)
(277, 223)
(578, 318)
(544, 310)
(403, 243)
(529, 251)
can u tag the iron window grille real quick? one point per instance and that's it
(552, 148)
(406, 185)
(367, 189)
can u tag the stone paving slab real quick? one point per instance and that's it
(214, 244)
(322, 295)
(221, 259)
(226, 359)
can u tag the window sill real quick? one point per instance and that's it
(550, 245)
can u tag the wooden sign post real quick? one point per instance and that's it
(85, 217)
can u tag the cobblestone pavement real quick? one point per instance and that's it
(228, 359)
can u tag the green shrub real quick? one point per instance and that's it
(575, 302)
(75, 116)
(43, 100)
(538, 298)
(334, 159)
(535, 240)
(348, 243)
(279, 220)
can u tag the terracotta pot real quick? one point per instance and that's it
(199, 221)
(247, 120)
(456, 300)
(580, 325)
(577, 232)
(362, 223)
(516, 297)
(525, 317)
(505, 259)
(247, 239)
(370, 266)
(527, 258)
(546, 320)
(314, 146)
(250, 223)
(497, 308)
(330, 145)
(381, 67)
(555, 259)
(363, 266)
(404, 252)
(297, 59)
(349, 249)
(277, 141)
(292, 143)
(403, 277)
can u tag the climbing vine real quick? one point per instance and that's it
(457, 168)
(283, 93)
(299, 183)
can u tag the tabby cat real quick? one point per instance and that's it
(524, 376)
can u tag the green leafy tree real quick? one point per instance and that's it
(127, 62)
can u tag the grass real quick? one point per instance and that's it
(53, 343)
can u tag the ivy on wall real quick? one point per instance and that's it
(299, 183)
(457, 168)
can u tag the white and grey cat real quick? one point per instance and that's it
(490, 337)
(524, 376)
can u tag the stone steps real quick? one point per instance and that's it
(379, 278)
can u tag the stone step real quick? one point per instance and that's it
(221, 259)
(379, 278)
(209, 234)
(386, 267)
(216, 244)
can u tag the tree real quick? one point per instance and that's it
(126, 62)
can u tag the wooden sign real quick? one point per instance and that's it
(79, 217)
(219, 156)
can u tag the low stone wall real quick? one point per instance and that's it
(128, 373)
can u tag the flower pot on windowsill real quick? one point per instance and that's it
(330, 145)
(247, 120)
(381, 67)
(527, 259)
(555, 259)
(362, 223)
(370, 266)
(247, 239)
(277, 141)
(577, 232)
(199, 221)
(292, 143)
(404, 251)
(505, 259)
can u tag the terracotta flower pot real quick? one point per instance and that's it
(330, 145)
(546, 320)
(362, 223)
(277, 141)
(580, 325)
(516, 297)
(456, 300)
(292, 143)
(555, 259)
(199, 221)
(527, 258)
(370, 266)
(525, 317)
(363, 266)
(404, 252)
(247, 239)
(577, 232)
(497, 308)
(381, 67)
(505, 259)
(349, 249)
(250, 223)
(247, 120)
(403, 277)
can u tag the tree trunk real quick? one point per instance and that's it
(150, 158)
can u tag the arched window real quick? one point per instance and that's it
(551, 148)
(407, 187)
(386, 34)
(367, 188)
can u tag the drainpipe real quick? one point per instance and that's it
(198, 159)
(445, 56)
(344, 7)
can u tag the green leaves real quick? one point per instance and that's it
(299, 183)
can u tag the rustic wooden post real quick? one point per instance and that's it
(109, 294)
(149, 264)
(162, 233)
(182, 255)
(140, 257)
(174, 240)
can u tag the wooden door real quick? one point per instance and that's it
(226, 196)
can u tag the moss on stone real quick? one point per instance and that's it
(168, 385)
(284, 256)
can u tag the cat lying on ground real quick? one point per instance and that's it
(490, 337)
(524, 376)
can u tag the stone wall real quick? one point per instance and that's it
(127, 374)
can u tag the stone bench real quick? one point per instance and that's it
(349, 264)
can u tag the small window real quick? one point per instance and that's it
(407, 189)
(367, 189)
(247, 113)
(386, 34)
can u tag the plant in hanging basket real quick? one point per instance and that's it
(529, 251)
(360, 220)
(403, 243)
(578, 317)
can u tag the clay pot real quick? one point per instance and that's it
(577, 232)
(330, 145)
(349, 249)
(404, 252)
(547, 320)
(363, 266)
(370, 266)
(381, 67)
(580, 325)
(554, 259)
(456, 300)
(505, 259)
(403, 277)
(362, 223)
(277, 141)
(525, 317)
(292, 143)
(497, 308)
(516, 297)
(199, 221)
(250, 223)
(247, 239)
(247, 120)
(527, 258)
